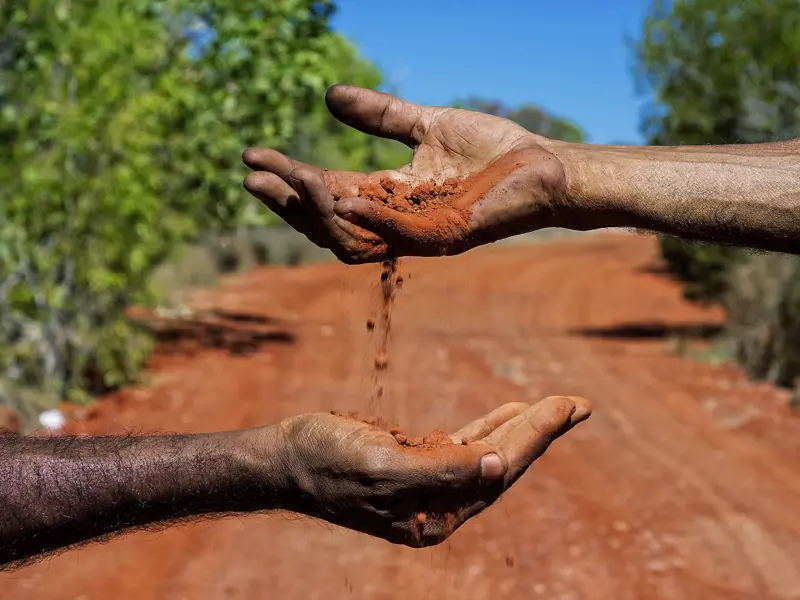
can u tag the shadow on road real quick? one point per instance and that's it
(238, 334)
(652, 330)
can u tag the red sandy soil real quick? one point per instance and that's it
(685, 483)
(9, 420)
(404, 198)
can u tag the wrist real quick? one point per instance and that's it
(591, 198)
(259, 458)
(289, 472)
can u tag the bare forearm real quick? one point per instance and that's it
(58, 492)
(746, 195)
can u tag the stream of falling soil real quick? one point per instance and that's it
(391, 281)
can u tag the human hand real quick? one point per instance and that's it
(509, 182)
(358, 476)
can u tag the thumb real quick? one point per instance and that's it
(461, 468)
(392, 226)
(492, 467)
(376, 113)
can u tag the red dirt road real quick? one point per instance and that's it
(685, 483)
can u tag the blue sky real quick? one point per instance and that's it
(568, 56)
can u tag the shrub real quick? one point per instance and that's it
(763, 308)
(121, 127)
(703, 268)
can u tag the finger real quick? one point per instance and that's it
(285, 184)
(313, 214)
(297, 175)
(451, 468)
(282, 199)
(273, 191)
(344, 183)
(393, 226)
(525, 438)
(583, 410)
(320, 201)
(354, 243)
(340, 183)
(267, 159)
(482, 427)
(297, 192)
(380, 114)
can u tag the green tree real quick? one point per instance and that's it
(721, 71)
(121, 127)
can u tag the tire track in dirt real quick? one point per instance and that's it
(575, 302)
(778, 577)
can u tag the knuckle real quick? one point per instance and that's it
(420, 129)
(537, 425)
(302, 173)
(516, 406)
(293, 178)
(390, 108)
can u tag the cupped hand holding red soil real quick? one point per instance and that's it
(416, 491)
(474, 179)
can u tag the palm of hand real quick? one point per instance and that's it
(361, 478)
(508, 175)
(459, 143)
(357, 475)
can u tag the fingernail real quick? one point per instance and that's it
(491, 467)
(583, 411)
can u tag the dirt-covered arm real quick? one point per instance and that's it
(747, 195)
(60, 492)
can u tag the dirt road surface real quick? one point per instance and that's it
(685, 483)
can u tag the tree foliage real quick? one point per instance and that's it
(721, 71)
(121, 128)
(528, 116)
